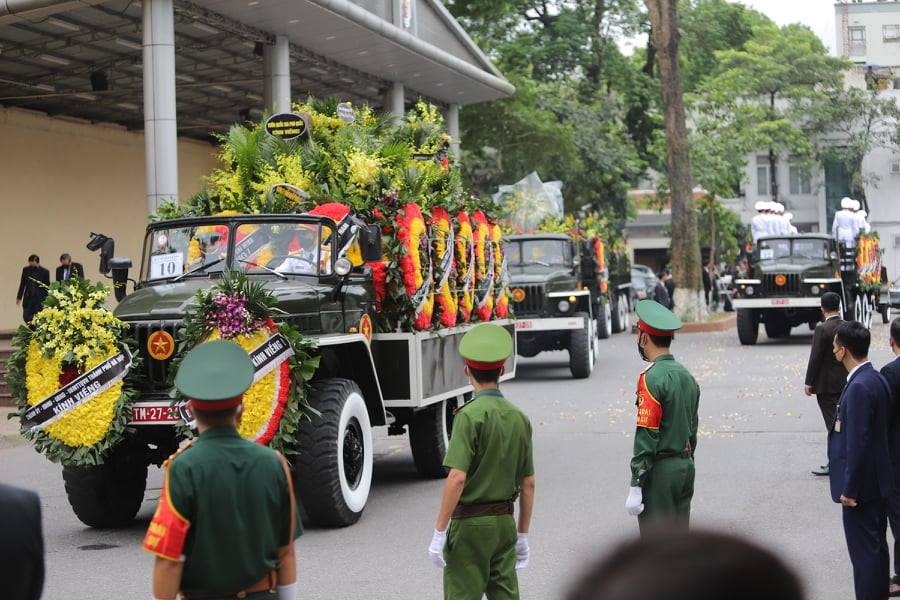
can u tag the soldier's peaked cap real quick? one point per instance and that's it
(214, 375)
(846, 202)
(486, 347)
(656, 319)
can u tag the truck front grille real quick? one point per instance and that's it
(791, 286)
(155, 373)
(533, 301)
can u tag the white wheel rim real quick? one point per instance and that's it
(608, 314)
(355, 406)
(591, 350)
(445, 432)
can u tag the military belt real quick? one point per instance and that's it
(267, 584)
(488, 509)
(688, 452)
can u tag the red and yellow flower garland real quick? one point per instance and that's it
(264, 402)
(868, 260)
(484, 270)
(501, 301)
(415, 264)
(445, 282)
(465, 266)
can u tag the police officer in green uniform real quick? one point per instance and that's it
(490, 465)
(662, 468)
(227, 520)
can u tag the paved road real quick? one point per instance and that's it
(759, 438)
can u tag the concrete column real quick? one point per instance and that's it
(453, 128)
(160, 126)
(277, 75)
(396, 100)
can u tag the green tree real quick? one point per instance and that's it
(851, 123)
(761, 94)
(685, 244)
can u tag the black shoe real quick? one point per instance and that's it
(821, 471)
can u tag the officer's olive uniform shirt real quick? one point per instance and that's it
(491, 444)
(668, 398)
(234, 493)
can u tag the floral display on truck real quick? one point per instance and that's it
(68, 375)
(868, 260)
(440, 267)
(242, 311)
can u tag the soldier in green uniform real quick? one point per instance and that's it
(662, 468)
(490, 465)
(227, 519)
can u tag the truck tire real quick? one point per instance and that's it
(334, 468)
(885, 311)
(429, 436)
(620, 310)
(604, 320)
(747, 326)
(581, 349)
(106, 496)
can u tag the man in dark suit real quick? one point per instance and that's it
(68, 269)
(32, 288)
(825, 376)
(660, 293)
(22, 550)
(860, 466)
(891, 373)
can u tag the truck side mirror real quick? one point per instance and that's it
(107, 247)
(119, 267)
(370, 242)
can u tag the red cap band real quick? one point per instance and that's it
(216, 405)
(652, 330)
(485, 366)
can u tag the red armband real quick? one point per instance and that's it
(168, 528)
(649, 410)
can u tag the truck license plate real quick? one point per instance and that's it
(524, 325)
(153, 414)
(780, 301)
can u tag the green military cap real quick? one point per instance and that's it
(214, 375)
(486, 347)
(656, 319)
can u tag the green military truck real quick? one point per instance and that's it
(785, 282)
(564, 297)
(404, 381)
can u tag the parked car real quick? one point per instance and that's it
(643, 280)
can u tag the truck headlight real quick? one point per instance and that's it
(563, 306)
(748, 290)
(815, 290)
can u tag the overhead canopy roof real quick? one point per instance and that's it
(60, 63)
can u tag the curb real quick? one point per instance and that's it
(729, 322)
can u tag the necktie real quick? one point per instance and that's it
(66, 274)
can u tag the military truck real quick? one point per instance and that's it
(404, 381)
(563, 297)
(786, 279)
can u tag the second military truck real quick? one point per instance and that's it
(564, 297)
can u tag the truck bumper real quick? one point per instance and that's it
(777, 303)
(549, 324)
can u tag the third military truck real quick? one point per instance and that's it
(787, 277)
(566, 295)
(405, 381)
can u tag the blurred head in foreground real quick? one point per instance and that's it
(678, 565)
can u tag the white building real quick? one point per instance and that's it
(869, 32)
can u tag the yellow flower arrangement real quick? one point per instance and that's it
(363, 168)
(71, 335)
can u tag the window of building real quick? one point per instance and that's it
(890, 33)
(800, 181)
(762, 175)
(857, 41)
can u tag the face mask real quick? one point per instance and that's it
(641, 350)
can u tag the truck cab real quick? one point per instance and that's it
(783, 287)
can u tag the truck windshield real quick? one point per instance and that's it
(176, 251)
(793, 248)
(546, 253)
(283, 248)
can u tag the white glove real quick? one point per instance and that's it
(523, 552)
(287, 592)
(436, 549)
(634, 504)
